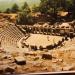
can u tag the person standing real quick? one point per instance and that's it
(71, 35)
(29, 48)
(48, 37)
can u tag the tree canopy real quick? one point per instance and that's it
(8, 10)
(35, 8)
(24, 16)
(15, 8)
(52, 6)
(49, 8)
(26, 8)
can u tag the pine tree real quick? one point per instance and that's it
(26, 8)
(15, 8)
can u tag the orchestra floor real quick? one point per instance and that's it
(42, 40)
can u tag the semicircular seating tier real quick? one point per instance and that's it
(10, 36)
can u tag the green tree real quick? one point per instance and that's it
(48, 6)
(7, 10)
(26, 8)
(66, 4)
(15, 8)
(0, 11)
(35, 8)
(24, 17)
(52, 6)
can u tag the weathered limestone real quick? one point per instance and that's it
(46, 56)
(9, 70)
(20, 60)
(68, 68)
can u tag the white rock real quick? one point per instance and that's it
(68, 68)
(54, 60)
(60, 60)
(20, 60)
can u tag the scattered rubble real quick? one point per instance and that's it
(46, 56)
(39, 61)
(68, 68)
(9, 69)
(20, 60)
(56, 68)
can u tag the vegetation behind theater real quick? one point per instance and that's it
(46, 11)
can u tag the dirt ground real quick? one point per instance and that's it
(63, 59)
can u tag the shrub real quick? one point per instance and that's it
(35, 47)
(49, 47)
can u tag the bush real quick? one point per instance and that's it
(49, 47)
(25, 18)
(41, 48)
(35, 48)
